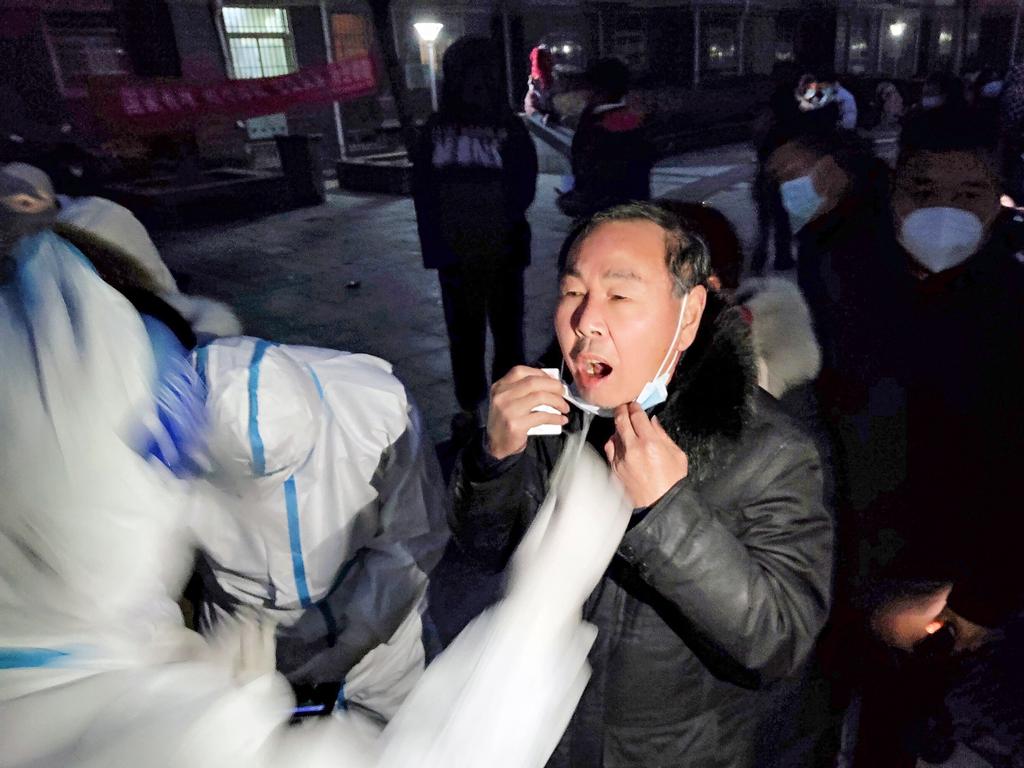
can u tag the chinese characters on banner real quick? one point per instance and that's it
(163, 106)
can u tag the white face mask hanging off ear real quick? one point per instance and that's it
(654, 392)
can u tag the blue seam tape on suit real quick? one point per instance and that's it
(24, 658)
(202, 361)
(259, 463)
(298, 565)
(316, 380)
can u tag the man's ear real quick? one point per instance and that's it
(691, 317)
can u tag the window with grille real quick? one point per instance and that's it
(260, 41)
(83, 45)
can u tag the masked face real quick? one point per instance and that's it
(810, 185)
(940, 238)
(944, 204)
(620, 325)
(801, 200)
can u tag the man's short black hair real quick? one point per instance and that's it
(686, 254)
(949, 128)
(854, 155)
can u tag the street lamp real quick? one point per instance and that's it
(896, 29)
(428, 32)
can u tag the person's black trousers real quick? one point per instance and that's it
(473, 297)
(771, 219)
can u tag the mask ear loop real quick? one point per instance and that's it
(675, 338)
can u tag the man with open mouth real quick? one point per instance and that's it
(721, 584)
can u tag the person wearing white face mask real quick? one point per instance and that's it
(916, 301)
(726, 490)
(959, 358)
(925, 362)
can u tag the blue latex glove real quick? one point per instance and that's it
(179, 440)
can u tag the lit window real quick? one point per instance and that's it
(351, 36)
(260, 41)
(721, 48)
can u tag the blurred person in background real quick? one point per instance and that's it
(942, 89)
(986, 96)
(474, 177)
(942, 94)
(540, 87)
(774, 127)
(836, 192)
(834, 92)
(1011, 132)
(611, 154)
(888, 105)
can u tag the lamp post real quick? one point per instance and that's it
(428, 32)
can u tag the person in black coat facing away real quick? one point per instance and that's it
(474, 177)
(611, 154)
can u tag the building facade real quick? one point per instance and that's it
(54, 49)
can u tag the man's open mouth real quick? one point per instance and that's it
(591, 372)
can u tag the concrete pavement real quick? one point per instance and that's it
(347, 274)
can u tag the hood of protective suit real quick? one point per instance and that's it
(116, 226)
(265, 410)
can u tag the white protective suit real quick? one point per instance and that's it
(96, 667)
(118, 229)
(328, 512)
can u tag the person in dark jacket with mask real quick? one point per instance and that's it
(959, 360)
(474, 177)
(721, 584)
(835, 191)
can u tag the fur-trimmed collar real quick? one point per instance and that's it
(711, 397)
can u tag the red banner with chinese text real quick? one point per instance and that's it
(163, 106)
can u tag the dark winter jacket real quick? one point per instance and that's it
(921, 386)
(961, 370)
(611, 159)
(717, 591)
(472, 185)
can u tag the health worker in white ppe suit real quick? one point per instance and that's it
(326, 508)
(96, 665)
